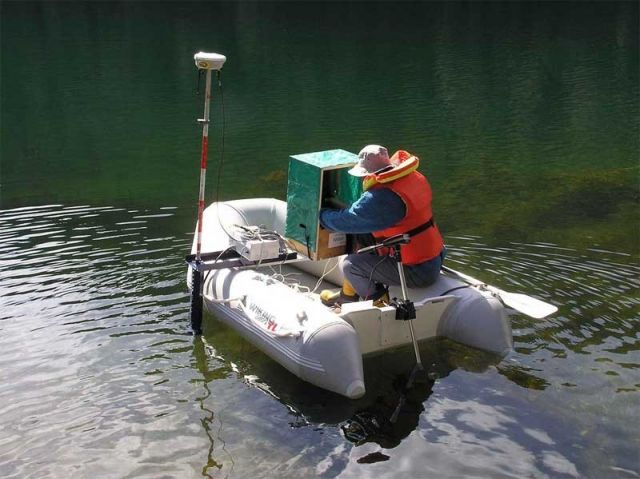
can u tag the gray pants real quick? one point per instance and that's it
(364, 270)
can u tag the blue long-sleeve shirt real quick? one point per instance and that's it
(375, 210)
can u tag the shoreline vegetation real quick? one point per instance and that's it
(589, 209)
(579, 209)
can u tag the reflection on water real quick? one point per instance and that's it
(524, 115)
(100, 375)
(90, 320)
(208, 421)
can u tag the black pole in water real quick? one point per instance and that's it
(196, 301)
(405, 310)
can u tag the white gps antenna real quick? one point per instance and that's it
(209, 61)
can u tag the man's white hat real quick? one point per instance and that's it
(370, 159)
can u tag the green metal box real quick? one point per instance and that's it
(318, 180)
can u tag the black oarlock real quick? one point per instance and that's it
(405, 309)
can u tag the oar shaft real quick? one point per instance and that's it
(520, 302)
(468, 279)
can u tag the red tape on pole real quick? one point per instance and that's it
(203, 157)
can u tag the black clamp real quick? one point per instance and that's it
(405, 309)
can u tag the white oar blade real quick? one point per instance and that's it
(526, 304)
(520, 302)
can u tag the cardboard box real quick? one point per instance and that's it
(329, 245)
(315, 178)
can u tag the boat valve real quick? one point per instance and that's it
(302, 316)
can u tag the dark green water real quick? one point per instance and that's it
(526, 119)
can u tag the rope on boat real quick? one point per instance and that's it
(325, 273)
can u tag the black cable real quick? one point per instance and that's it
(207, 273)
(373, 270)
(306, 238)
(454, 289)
(199, 75)
(221, 161)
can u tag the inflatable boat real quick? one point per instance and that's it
(275, 303)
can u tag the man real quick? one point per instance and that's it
(396, 200)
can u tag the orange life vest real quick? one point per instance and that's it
(414, 189)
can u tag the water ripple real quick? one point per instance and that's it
(68, 301)
(96, 355)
